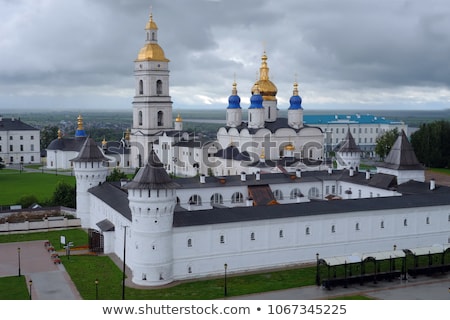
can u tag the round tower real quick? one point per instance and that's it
(295, 111)
(234, 110)
(89, 172)
(152, 200)
(256, 111)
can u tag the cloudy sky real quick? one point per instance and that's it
(78, 54)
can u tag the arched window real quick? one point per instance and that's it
(216, 198)
(281, 234)
(141, 87)
(278, 194)
(307, 231)
(222, 239)
(382, 224)
(140, 118)
(160, 119)
(237, 197)
(195, 200)
(252, 236)
(357, 226)
(189, 270)
(153, 36)
(405, 222)
(333, 228)
(159, 87)
(296, 193)
(428, 220)
(189, 243)
(313, 193)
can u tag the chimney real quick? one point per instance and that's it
(367, 175)
(432, 184)
(202, 178)
(330, 170)
(258, 175)
(298, 173)
(243, 176)
(351, 172)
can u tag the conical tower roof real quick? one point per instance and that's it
(349, 144)
(152, 176)
(90, 152)
(402, 156)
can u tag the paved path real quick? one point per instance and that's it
(49, 281)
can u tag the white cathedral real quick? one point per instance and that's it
(277, 209)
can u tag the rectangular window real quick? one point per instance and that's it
(21, 147)
(32, 158)
(21, 137)
(32, 138)
(327, 190)
(11, 148)
(32, 147)
(10, 137)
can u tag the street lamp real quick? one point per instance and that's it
(317, 270)
(225, 280)
(124, 254)
(96, 289)
(18, 256)
(30, 283)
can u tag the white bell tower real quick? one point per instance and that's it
(152, 105)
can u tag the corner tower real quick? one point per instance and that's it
(152, 105)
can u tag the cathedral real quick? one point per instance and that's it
(281, 209)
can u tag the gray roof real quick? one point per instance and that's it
(12, 124)
(240, 214)
(402, 156)
(349, 144)
(67, 144)
(105, 225)
(113, 196)
(152, 176)
(90, 152)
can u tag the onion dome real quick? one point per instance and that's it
(256, 100)
(234, 101)
(80, 130)
(151, 50)
(296, 100)
(178, 118)
(266, 87)
(59, 134)
(289, 147)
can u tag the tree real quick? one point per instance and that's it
(48, 134)
(431, 144)
(116, 175)
(64, 195)
(385, 142)
(2, 165)
(27, 200)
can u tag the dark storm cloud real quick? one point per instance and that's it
(338, 51)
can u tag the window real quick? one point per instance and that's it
(141, 87)
(307, 231)
(357, 226)
(21, 147)
(140, 118)
(159, 87)
(278, 194)
(32, 158)
(189, 270)
(359, 193)
(382, 224)
(11, 147)
(195, 200)
(333, 228)
(428, 220)
(216, 198)
(313, 193)
(10, 137)
(280, 234)
(222, 239)
(21, 137)
(296, 193)
(189, 243)
(252, 236)
(237, 197)
(405, 222)
(32, 147)
(333, 189)
(160, 118)
(32, 138)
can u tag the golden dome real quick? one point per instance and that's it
(151, 25)
(152, 52)
(289, 147)
(178, 118)
(266, 87)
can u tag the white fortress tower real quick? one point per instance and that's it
(89, 172)
(152, 105)
(349, 154)
(152, 200)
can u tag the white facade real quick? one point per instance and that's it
(19, 142)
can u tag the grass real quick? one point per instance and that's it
(441, 170)
(41, 185)
(13, 288)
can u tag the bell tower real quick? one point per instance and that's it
(152, 105)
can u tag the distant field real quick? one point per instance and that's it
(15, 184)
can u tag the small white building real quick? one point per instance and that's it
(19, 142)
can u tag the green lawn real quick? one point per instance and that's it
(441, 170)
(13, 288)
(41, 185)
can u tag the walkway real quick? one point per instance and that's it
(49, 281)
